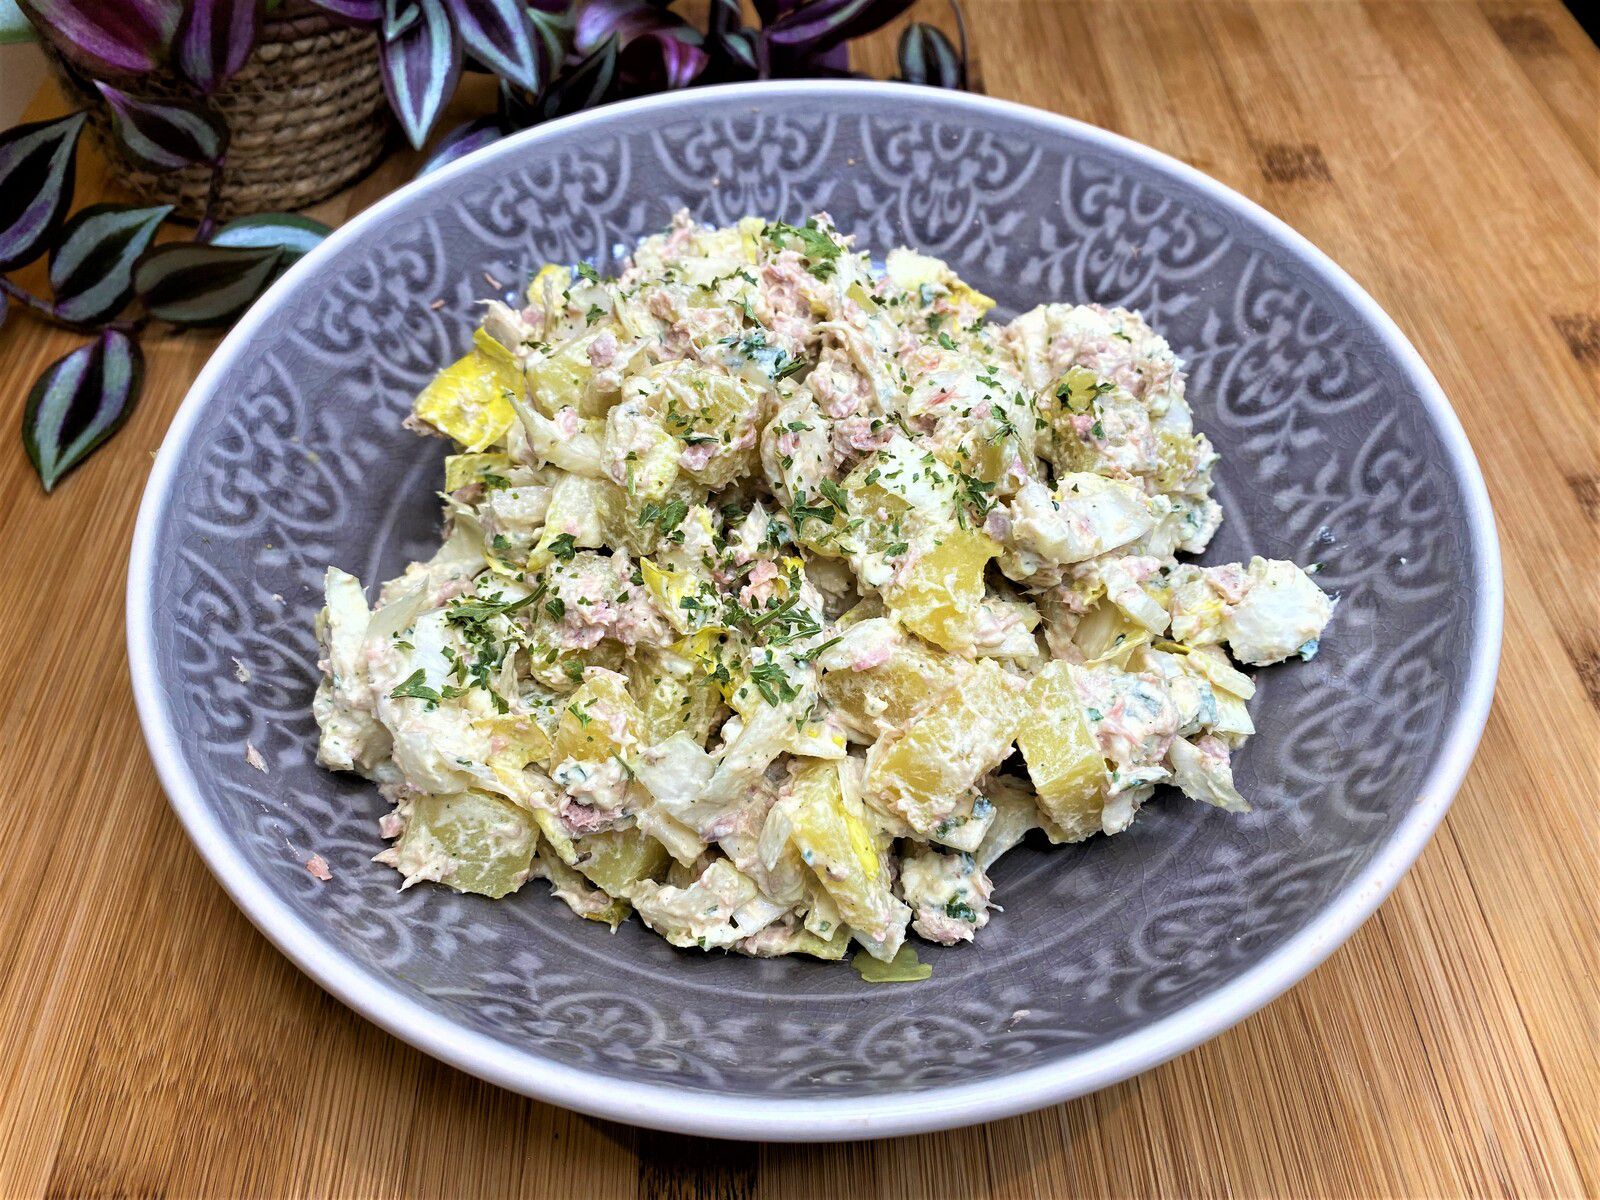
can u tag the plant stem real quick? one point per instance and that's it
(208, 215)
(48, 311)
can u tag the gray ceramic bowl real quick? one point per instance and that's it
(1337, 446)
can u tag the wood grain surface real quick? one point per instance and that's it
(1446, 154)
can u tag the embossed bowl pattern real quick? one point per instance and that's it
(1336, 446)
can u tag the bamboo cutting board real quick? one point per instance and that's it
(1447, 155)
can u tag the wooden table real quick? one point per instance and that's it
(1448, 155)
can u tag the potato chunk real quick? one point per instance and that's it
(1065, 764)
(940, 596)
(469, 841)
(598, 721)
(923, 772)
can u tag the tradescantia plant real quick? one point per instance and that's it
(110, 270)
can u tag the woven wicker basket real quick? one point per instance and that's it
(307, 113)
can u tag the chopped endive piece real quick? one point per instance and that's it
(522, 743)
(617, 859)
(463, 470)
(776, 940)
(1064, 762)
(1107, 635)
(922, 772)
(1202, 772)
(672, 694)
(939, 597)
(470, 400)
(557, 841)
(552, 278)
(1211, 664)
(902, 968)
(688, 601)
(718, 909)
(910, 271)
(470, 841)
(833, 839)
(584, 514)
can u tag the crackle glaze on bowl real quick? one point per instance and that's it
(1336, 445)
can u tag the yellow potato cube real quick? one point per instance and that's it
(923, 771)
(487, 842)
(1064, 762)
(939, 597)
(561, 378)
(615, 860)
(887, 696)
(598, 721)
(673, 696)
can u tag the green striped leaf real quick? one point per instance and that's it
(80, 401)
(91, 268)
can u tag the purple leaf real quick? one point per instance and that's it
(660, 60)
(462, 141)
(420, 69)
(355, 12)
(215, 38)
(91, 268)
(164, 135)
(582, 84)
(190, 284)
(823, 24)
(600, 19)
(928, 57)
(108, 37)
(295, 235)
(553, 32)
(657, 49)
(36, 173)
(399, 16)
(731, 48)
(79, 402)
(501, 35)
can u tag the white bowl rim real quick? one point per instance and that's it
(705, 1113)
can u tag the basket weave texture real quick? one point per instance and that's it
(307, 114)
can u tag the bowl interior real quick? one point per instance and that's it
(297, 460)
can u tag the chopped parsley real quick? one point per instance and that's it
(416, 688)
